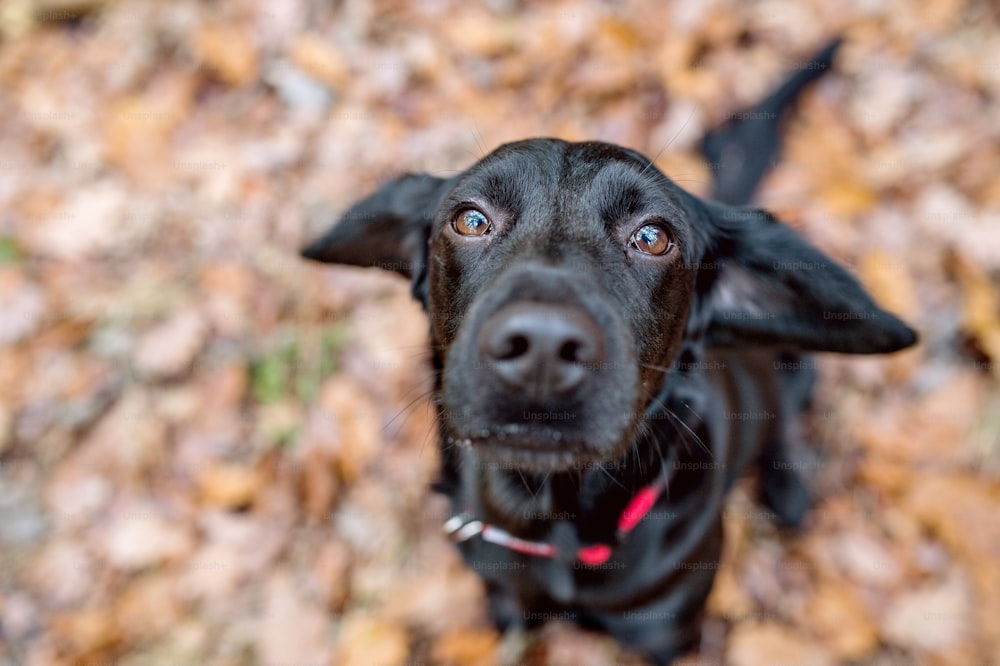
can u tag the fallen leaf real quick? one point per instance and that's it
(319, 487)
(472, 33)
(148, 608)
(213, 573)
(170, 349)
(292, 630)
(90, 221)
(137, 132)
(866, 559)
(330, 570)
(85, 632)
(229, 486)
(359, 433)
(138, 538)
(837, 615)
(980, 307)
(317, 56)
(466, 647)
(127, 440)
(22, 304)
(64, 573)
(888, 280)
(228, 52)
(6, 428)
(565, 643)
(753, 644)
(437, 604)
(366, 640)
(932, 617)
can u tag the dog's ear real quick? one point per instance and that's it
(387, 229)
(768, 286)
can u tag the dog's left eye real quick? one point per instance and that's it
(471, 222)
(651, 239)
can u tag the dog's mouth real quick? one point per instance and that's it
(537, 448)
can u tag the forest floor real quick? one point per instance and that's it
(212, 452)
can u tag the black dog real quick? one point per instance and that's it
(610, 355)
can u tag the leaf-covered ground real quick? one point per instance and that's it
(213, 453)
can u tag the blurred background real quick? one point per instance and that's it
(214, 453)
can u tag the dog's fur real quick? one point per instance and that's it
(572, 368)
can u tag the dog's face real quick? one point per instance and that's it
(561, 280)
(559, 289)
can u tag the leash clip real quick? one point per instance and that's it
(460, 529)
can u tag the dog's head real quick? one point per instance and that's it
(562, 279)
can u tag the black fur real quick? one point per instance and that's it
(698, 369)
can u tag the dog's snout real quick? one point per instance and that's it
(542, 350)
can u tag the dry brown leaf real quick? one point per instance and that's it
(137, 129)
(229, 289)
(933, 617)
(472, 33)
(237, 547)
(22, 305)
(214, 573)
(85, 632)
(466, 647)
(359, 433)
(866, 559)
(138, 538)
(440, 602)
(839, 618)
(847, 198)
(728, 598)
(319, 487)
(128, 440)
(913, 432)
(64, 573)
(228, 52)
(292, 630)
(366, 640)
(887, 278)
(330, 571)
(229, 486)
(980, 307)
(169, 349)
(838, 175)
(148, 608)
(6, 427)
(90, 221)
(221, 390)
(755, 644)
(316, 55)
(888, 475)
(961, 513)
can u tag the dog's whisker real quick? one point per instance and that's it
(679, 421)
(693, 412)
(668, 142)
(611, 476)
(410, 405)
(478, 138)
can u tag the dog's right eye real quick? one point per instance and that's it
(651, 239)
(471, 222)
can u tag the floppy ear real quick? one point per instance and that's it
(771, 287)
(387, 229)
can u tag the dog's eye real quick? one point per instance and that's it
(651, 239)
(471, 222)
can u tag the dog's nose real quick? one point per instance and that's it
(542, 350)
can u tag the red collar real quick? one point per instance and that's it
(461, 528)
